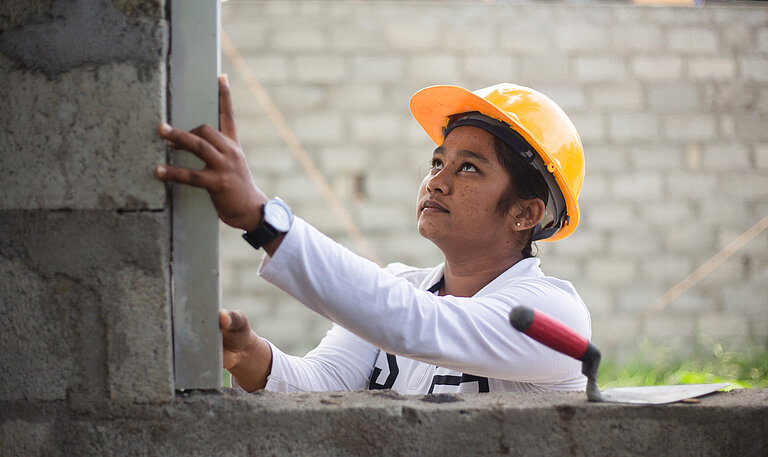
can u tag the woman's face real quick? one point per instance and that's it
(457, 203)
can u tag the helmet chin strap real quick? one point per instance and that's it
(555, 214)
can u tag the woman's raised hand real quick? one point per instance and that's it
(226, 175)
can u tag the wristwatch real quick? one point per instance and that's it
(276, 219)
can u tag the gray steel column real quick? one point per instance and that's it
(194, 68)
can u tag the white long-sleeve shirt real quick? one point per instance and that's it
(391, 332)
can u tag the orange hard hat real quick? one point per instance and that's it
(534, 117)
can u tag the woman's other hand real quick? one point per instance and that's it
(226, 175)
(246, 355)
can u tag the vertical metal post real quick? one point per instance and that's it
(194, 68)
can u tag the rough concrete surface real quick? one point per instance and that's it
(84, 301)
(384, 423)
(87, 88)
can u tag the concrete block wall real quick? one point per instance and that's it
(84, 226)
(671, 104)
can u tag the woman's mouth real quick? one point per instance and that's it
(431, 206)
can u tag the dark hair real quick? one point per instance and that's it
(525, 182)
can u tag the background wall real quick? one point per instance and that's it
(671, 104)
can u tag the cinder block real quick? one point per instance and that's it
(599, 300)
(665, 268)
(634, 243)
(382, 187)
(268, 68)
(357, 37)
(694, 127)
(466, 37)
(346, 159)
(724, 327)
(725, 157)
(581, 37)
(680, 238)
(546, 68)
(599, 69)
(616, 95)
(380, 128)
(569, 97)
(615, 334)
(591, 128)
(659, 157)
(378, 68)
(762, 40)
(693, 40)
(580, 243)
(761, 155)
(638, 186)
(297, 189)
(29, 437)
(323, 69)
(260, 132)
(745, 16)
(528, 40)
(611, 271)
(363, 97)
(718, 208)
(637, 38)
(754, 68)
(80, 304)
(637, 298)
(70, 141)
(490, 69)
(434, 68)
(609, 216)
(663, 68)
(235, 250)
(305, 38)
(410, 35)
(745, 299)
(270, 160)
(690, 184)
(674, 97)
(667, 213)
(637, 126)
(318, 128)
(712, 68)
(605, 158)
(595, 188)
(673, 329)
(245, 35)
(751, 126)
(744, 184)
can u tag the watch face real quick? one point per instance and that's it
(278, 216)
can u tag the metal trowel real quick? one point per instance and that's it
(549, 331)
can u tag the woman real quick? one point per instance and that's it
(507, 171)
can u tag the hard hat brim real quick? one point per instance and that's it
(432, 107)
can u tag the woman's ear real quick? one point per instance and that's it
(525, 214)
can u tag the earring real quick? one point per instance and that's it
(518, 224)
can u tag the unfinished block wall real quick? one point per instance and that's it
(84, 225)
(671, 104)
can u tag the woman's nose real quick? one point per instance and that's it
(438, 182)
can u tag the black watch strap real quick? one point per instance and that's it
(261, 236)
(276, 219)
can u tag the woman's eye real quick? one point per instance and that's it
(468, 167)
(437, 164)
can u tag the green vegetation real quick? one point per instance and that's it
(654, 365)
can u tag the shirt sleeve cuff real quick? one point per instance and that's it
(284, 253)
